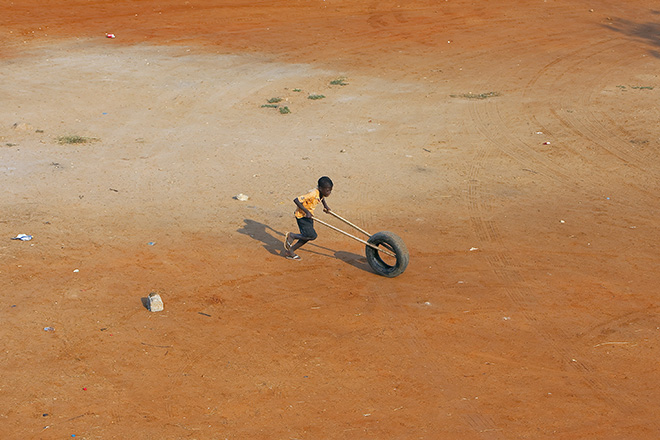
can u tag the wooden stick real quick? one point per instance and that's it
(349, 223)
(385, 245)
(358, 239)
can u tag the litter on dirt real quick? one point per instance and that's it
(22, 237)
(155, 303)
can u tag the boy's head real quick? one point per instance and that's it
(325, 186)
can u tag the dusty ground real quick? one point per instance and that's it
(547, 328)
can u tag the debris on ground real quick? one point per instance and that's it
(22, 237)
(155, 303)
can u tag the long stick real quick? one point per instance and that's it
(349, 223)
(387, 246)
(355, 238)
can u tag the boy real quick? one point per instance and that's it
(305, 217)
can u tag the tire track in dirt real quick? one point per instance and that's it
(625, 318)
(488, 120)
(604, 141)
(479, 422)
(486, 230)
(589, 127)
(413, 343)
(489, 113)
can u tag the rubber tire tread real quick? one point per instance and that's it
(395, 244)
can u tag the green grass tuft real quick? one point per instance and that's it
(274, 100)
(477, 96)
(73, 139)
(341, 81)
(316, 97)
(285, 110)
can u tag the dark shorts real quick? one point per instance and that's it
(306, 226)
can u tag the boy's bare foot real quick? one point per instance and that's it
(287, 243)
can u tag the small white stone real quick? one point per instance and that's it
(155, 302)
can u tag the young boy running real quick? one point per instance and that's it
(305, 217)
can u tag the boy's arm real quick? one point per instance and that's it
(326, 208)
(302, 208)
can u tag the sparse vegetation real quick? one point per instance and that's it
(341, 81)
(297, 90)
(316, 97)
(637, 87)
(273, 103)
(477, 96)
(73, 139)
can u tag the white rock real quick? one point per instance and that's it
(155, 302)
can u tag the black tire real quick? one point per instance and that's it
(393, 243)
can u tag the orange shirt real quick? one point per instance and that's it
(309, 201)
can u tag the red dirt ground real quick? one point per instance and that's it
(530, 306)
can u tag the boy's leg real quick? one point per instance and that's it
(307, 233)
(293, 237)
(291, 251)
(297, 245)
(297, 240)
